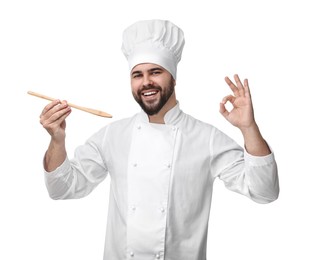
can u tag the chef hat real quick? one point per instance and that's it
(153, 41)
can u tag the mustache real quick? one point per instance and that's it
(148, 87)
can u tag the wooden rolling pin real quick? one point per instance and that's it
(85, 109)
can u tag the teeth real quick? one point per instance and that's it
(149, 93)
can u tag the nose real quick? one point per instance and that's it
(147, 81)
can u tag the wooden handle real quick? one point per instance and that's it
(85, 109)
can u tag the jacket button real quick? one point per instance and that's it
(132, 254)
(162, 210)
(157, 256)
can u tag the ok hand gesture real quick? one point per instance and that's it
(242, 114)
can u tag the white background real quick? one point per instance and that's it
(71, 50)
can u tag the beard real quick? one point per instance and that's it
(153, 107)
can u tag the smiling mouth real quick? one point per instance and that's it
(149, 93)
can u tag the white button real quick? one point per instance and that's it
(132, 254)
(169, 165)
(162, 210)
(174, 128)
(139, 127)
(133, 208)
(135, 165)
(157, 256)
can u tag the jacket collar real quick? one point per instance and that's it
(172, 117)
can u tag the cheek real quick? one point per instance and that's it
(134, 86)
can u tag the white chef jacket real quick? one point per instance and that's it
(161, 183)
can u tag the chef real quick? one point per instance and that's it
(162, 161)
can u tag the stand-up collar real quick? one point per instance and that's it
(170, 118)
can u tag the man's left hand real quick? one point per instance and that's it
(242, 114)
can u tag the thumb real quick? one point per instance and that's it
(223, 110)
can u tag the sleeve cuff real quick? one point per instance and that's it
(60, 170)
(259, 160)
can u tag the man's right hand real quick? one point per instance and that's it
(53, 118)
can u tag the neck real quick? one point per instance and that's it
(159, 117)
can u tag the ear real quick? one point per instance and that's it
(173, 81)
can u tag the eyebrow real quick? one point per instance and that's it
(154, 69)
(150, 70)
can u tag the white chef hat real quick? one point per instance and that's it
(153, 41)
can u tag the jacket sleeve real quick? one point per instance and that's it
(253, 176)
(76, 178)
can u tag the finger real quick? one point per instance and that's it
(54, 114)
(229, 98)
(53, 108)
(223, 110)
(60, 113)
(232, 86)
(239, 85)
(62, 118)
(52, 126)
(49, 106)
(247, 92)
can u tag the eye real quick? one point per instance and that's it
(156, 72)
(136, 75)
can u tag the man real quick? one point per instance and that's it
(162, 162)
